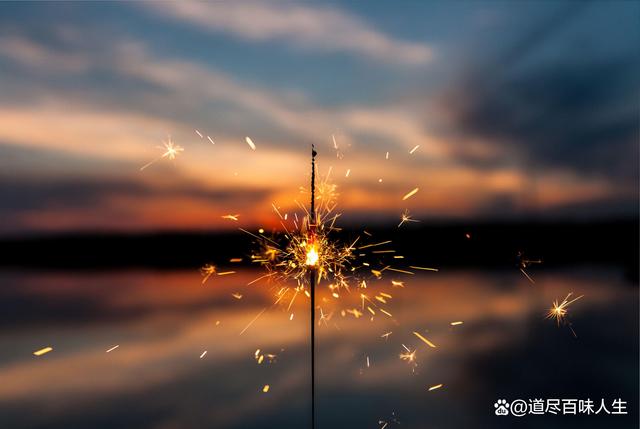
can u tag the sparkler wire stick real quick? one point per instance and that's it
(312, 282)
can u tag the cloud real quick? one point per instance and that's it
(149, 96)
(311, 28)
(581, 117)
(551, 101)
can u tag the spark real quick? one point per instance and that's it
(231, 217)
(409, 356)
(252, 321)
(171, 150)
(437, 386)
(199, 134)
(427, 342)
(113, 348)
(456, 323)
(386, 156)
(210, 140)
(301, 248)
(348, 172)
(524, 263)
(204, 353)
(386, 335)
(226, 273)
(368, 365)
(375, 244)
(423, 268)
(235, 260)
(42, 351)
(385, 423)
(339, 153)
(207, 271)
(414, 149)
(397, 283)
(355, 312)
(558, 311)
(399, 271)
(265, 389)
(237, 295)
(410, 194)
(324, 317)
(250, 143)
(385, 312)
(406, 217)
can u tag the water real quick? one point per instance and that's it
(163, 321)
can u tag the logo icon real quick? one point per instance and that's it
(502, 407)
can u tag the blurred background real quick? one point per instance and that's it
(517, 122)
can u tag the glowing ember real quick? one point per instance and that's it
(410, 194)
(427, 342)
(250, 143)
(42, 351)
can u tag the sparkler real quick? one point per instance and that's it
(311, 262)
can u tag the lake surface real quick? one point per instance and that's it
(163, 321)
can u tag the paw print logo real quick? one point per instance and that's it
(502, 407)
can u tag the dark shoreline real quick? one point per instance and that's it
(491, 245)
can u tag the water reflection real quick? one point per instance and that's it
(163, 321)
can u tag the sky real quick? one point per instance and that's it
(519, 111)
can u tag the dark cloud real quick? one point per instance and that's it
(551, 102)
(582, 117)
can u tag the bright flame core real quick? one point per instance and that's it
(312, 256)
